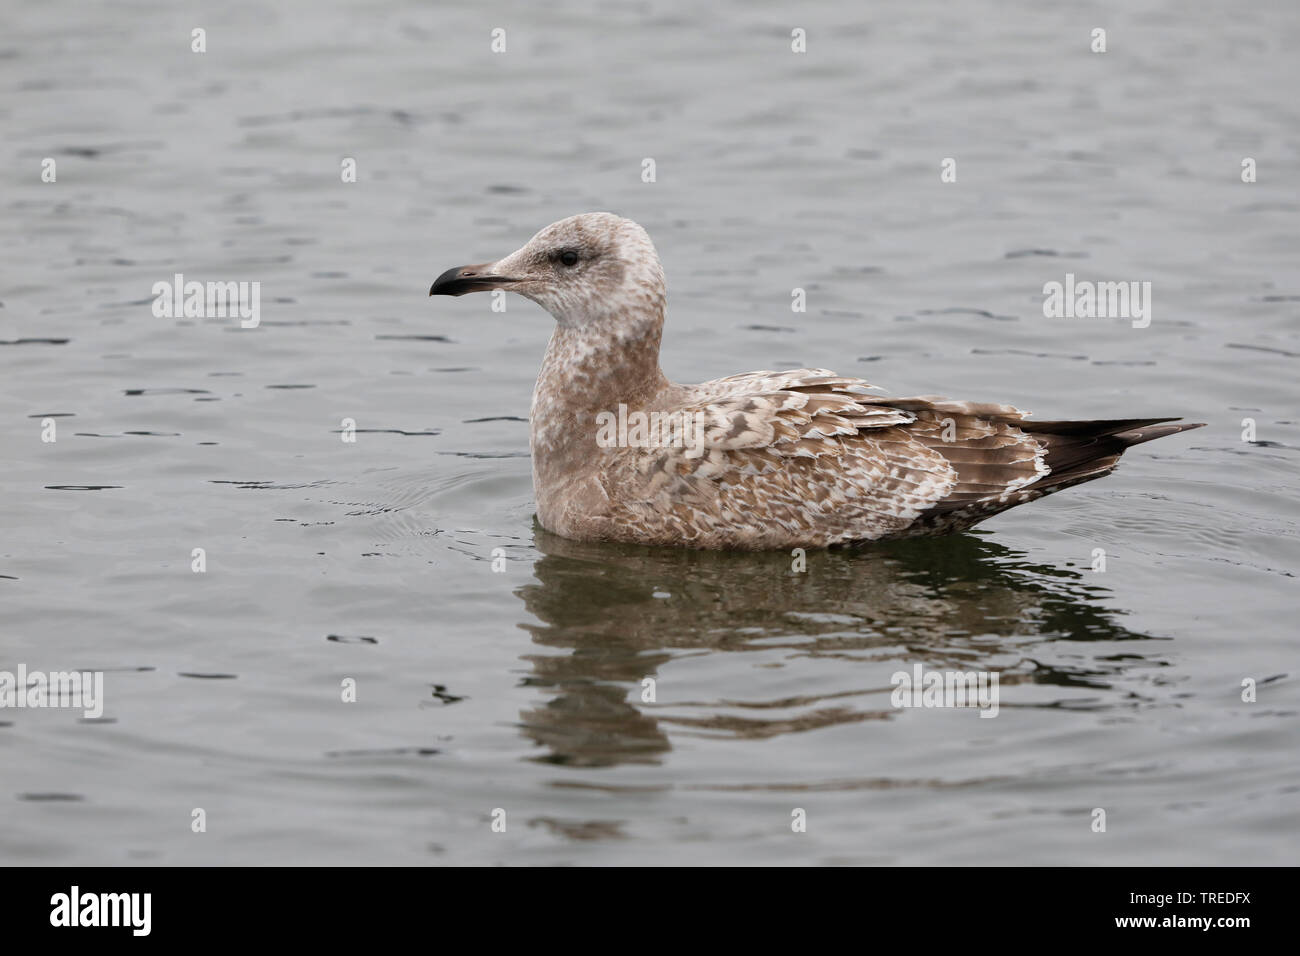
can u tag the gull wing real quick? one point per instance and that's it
(811, 455)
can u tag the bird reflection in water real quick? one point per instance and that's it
(618, 613)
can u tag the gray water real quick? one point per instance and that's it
(520, 689)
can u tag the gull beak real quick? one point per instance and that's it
(464, 279)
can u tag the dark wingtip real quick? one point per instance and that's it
(1138, 435)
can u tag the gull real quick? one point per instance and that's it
(760, 460)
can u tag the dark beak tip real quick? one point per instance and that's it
(465, 279)
(449, 283)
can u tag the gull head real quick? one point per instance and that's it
(592, 268)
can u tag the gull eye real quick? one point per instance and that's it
(569, 258)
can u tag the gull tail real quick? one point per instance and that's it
(1082, 450)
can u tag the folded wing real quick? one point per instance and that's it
(766, 457)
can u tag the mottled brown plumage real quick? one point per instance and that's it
(760, 460)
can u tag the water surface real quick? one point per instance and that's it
(497, 666)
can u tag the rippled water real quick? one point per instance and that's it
(521, 688)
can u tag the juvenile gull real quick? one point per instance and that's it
(760, 460)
